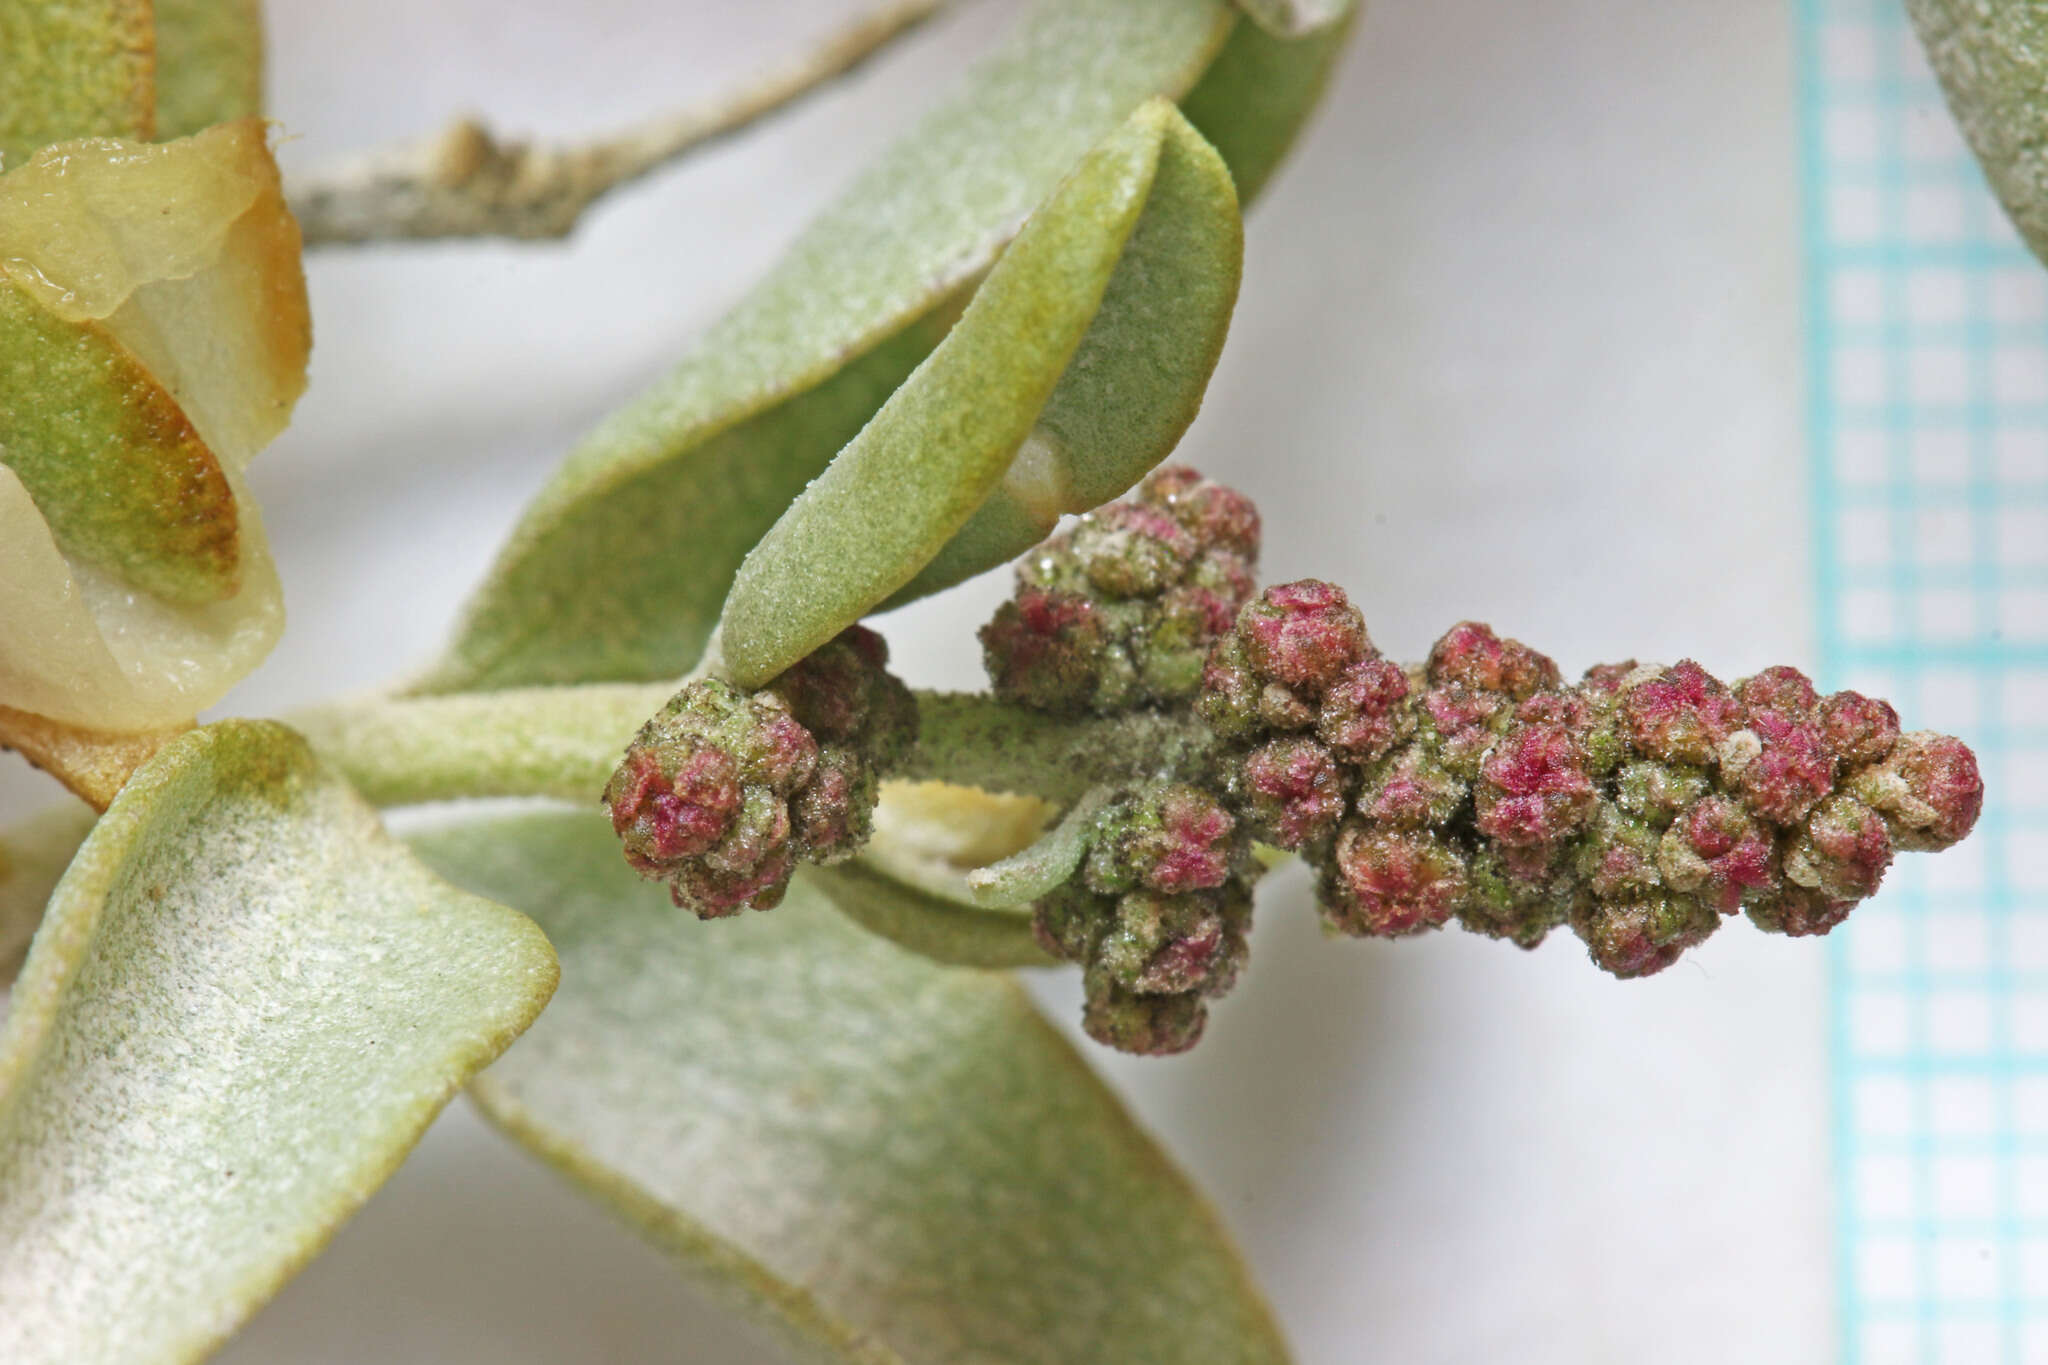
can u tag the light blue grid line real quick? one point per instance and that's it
(1990, 623)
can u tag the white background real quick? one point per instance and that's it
(1518, 341)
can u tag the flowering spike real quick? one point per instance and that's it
(1640, 805)
(1158, 916)
(722, 792)
(1120, 609)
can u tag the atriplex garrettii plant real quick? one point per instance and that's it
(244, 1000)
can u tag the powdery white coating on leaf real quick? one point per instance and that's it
(244, 1006)
(943, 441)
(1032, 872)
(33, 855)
(900, 1160)
(1993, 62)
(591, 585)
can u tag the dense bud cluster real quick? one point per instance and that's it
(1157, 917)
(724, 791)
(1640, 805)
(1120, 609)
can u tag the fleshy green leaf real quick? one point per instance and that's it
(1126, 274)
(1255, 97)
(1992, 59)
(901, 1162)
(1043, 866)
(936, 927)
(81, 68)
(617, 570)
(209, 63)
(1295, 18)
(243, 1007)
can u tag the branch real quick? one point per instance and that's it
(564, 742)
(465, 183)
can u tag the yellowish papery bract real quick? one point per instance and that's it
(185, 255)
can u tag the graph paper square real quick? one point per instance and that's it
(1928, 368)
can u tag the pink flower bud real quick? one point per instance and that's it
(1720, 854)
(1472, 655)
(1218, 517)
(1779, 764)
(1385, 883)
(1928, 788)
(1680, 716)
(1858, 730)
(1292, 791)
(1533, 789)
(1303, 635)
(1363, 713)
(1842, 852)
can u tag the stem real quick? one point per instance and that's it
(465, 183)
(565, 741)
(976, 741)
(535, 741)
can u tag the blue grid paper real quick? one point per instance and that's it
(1927, 328)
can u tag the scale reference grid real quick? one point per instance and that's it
(1927, 359)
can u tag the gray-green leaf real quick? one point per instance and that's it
(900, 1162)
(244, 1005)
(1093, 336)
(1993, 62)
(618, 568)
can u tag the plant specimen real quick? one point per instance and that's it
(245, 999)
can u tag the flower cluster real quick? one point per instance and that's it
(1640, 805)
(724, 791)
(1157, 916)
(1120, 609)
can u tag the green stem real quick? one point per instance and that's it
(565, 741)
(976, 741)
(532, 741)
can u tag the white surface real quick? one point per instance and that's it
(1518, 341)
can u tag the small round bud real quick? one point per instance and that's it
(1471, 655)
(1658, 793)
(1291, 790)
(1513, 901)
(1164, 945)
(1798, 911)
(1412, 789)
(1680, 716)
(1643, 937)
(1779, 688)
(1842, 852)
(1171, 837)
(1363, 713)
(1303, 635)
(1387, 883)
(1146, 1025)
(1533, 789)
(1043, 650)
(1217, 517)
(1618, 858)
(1858, 730)
(1130, 550)
(1779, 764)
(1928, 788)
(1719, 853)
